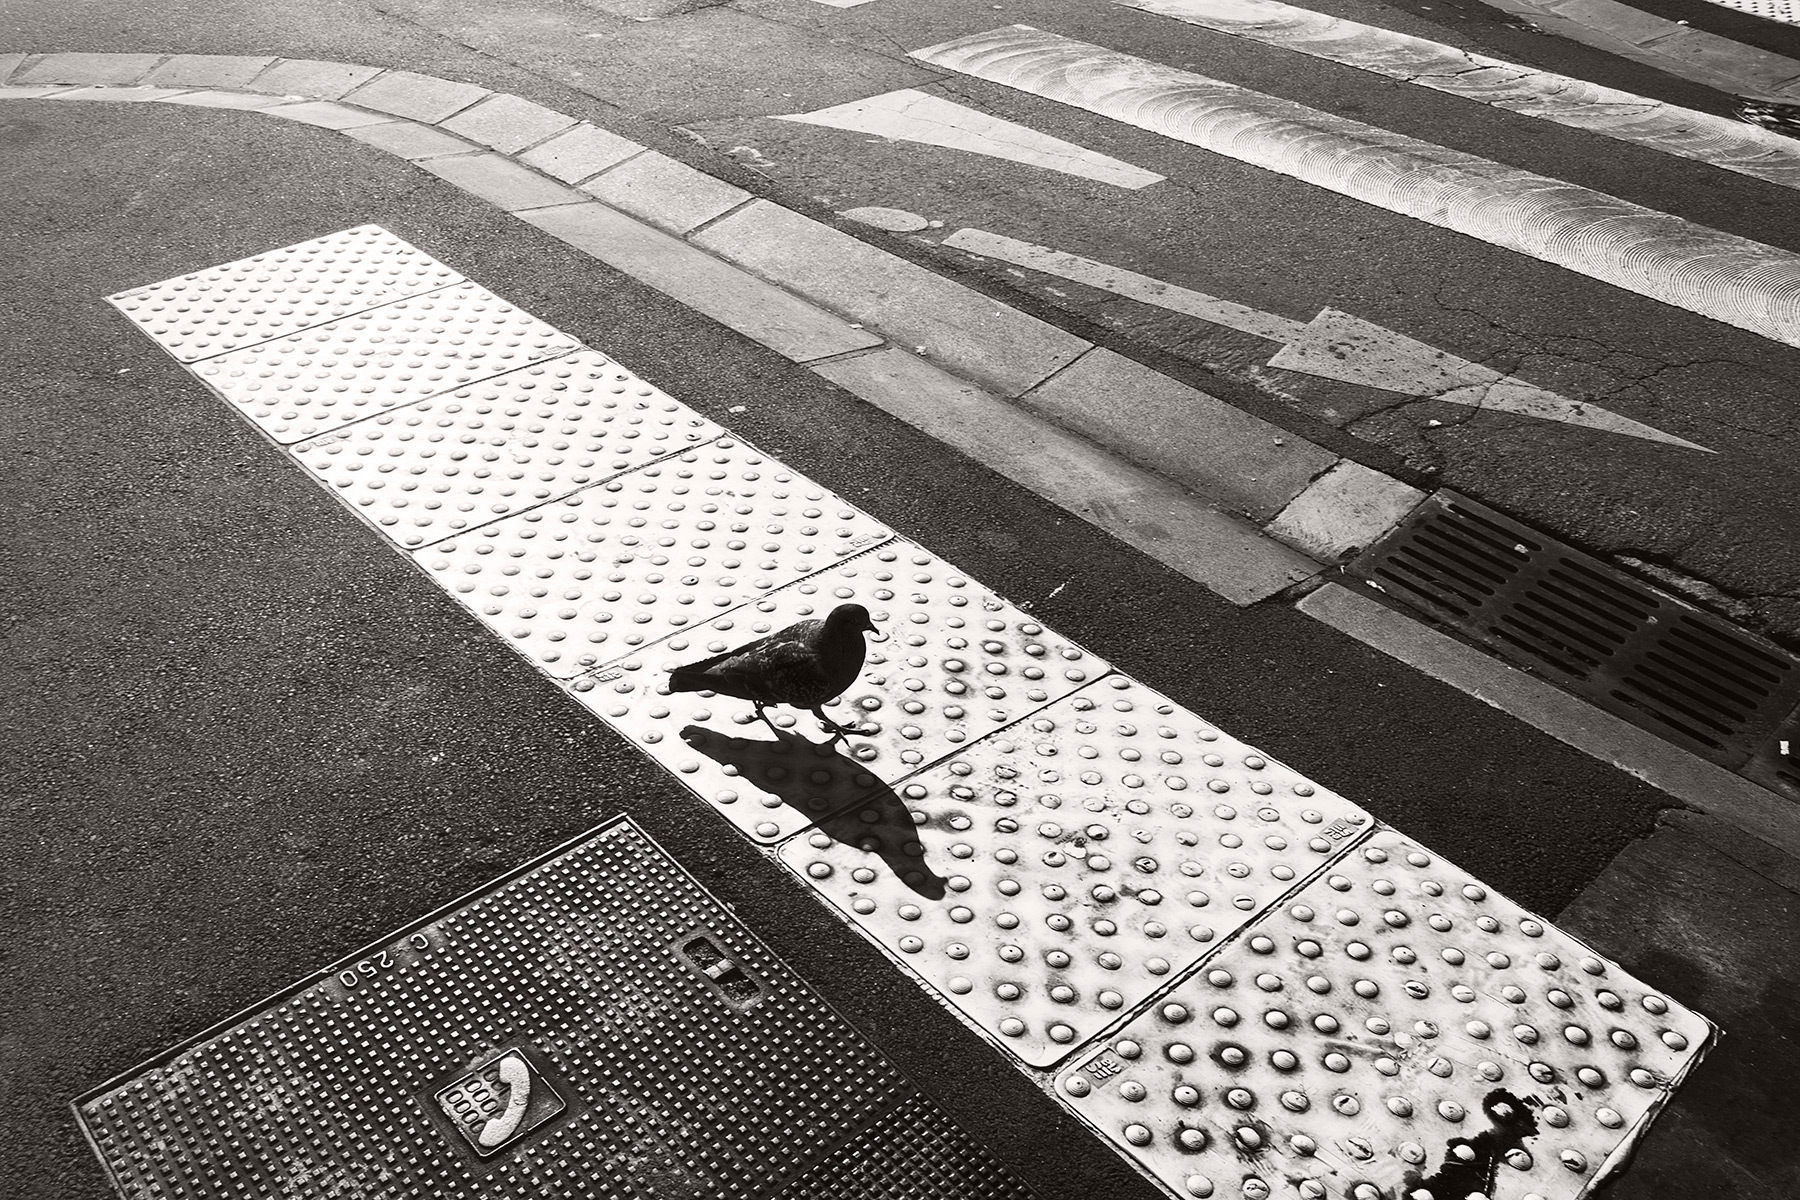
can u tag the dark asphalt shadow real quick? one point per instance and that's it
(821, 781)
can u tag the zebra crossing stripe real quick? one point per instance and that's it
(1668, 128)
(1655, 254)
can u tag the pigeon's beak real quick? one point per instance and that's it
(880, 636)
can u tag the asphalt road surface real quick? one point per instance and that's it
(244, 736)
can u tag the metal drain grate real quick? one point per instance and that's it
(1639, 653)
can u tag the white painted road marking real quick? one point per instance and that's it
(1623, 116)
(1334, 344)
(1714, 274)
(915, 116)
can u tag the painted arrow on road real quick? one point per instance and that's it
(1333, 345)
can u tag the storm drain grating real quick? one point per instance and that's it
(595, 1025)
(1643, 655)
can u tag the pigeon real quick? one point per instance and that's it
(806, 665)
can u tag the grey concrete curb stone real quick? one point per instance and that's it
(980, 339)
(93, 70)
(1143, 510)
(411, 141)
(1202, 443)
(507, 123)
(501, 181)
(208, 70)
(416, 97)
(669, 194)
(325, 114)
(758, 310)
(311, 77)
(579, 153)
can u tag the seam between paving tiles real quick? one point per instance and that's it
(1044, 1074)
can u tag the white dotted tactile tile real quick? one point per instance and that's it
(268, 295)
(1059, 873)
(434, 468)
(309, 382)
(1395, 1030)
(960, 663)
(588, 579)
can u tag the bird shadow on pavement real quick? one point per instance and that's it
(816, 778)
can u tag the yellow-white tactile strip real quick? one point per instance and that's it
(1083, 871)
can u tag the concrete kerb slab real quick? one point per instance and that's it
(799, 286)
(209, 70)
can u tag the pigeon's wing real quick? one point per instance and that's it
(761, 669)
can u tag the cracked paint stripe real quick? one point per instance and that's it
(1333, 345)
(914, 116)
(1576, 103)
(1665, 258)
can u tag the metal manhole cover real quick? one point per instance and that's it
(595, 1025)
(1394, 1030)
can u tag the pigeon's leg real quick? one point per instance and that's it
(764, 717)
(837, 730)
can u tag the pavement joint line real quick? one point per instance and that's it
(1138, 994)
(1250, 574)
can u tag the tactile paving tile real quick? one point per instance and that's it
(1054, 876)
(432, 469)
(344, 370)
(960, 663)
(588, 579)
(1396, 1030)
(671, 1085)
(268, 295)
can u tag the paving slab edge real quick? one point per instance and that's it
(1242, 559)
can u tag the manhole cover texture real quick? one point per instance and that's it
(958, 664)
(269, 295)
(590, 578)
(1396, 1029)
(325, 377)
(1057, 874)
(596, 1025)
(437, 467)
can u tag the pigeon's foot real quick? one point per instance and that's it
(838, 731)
